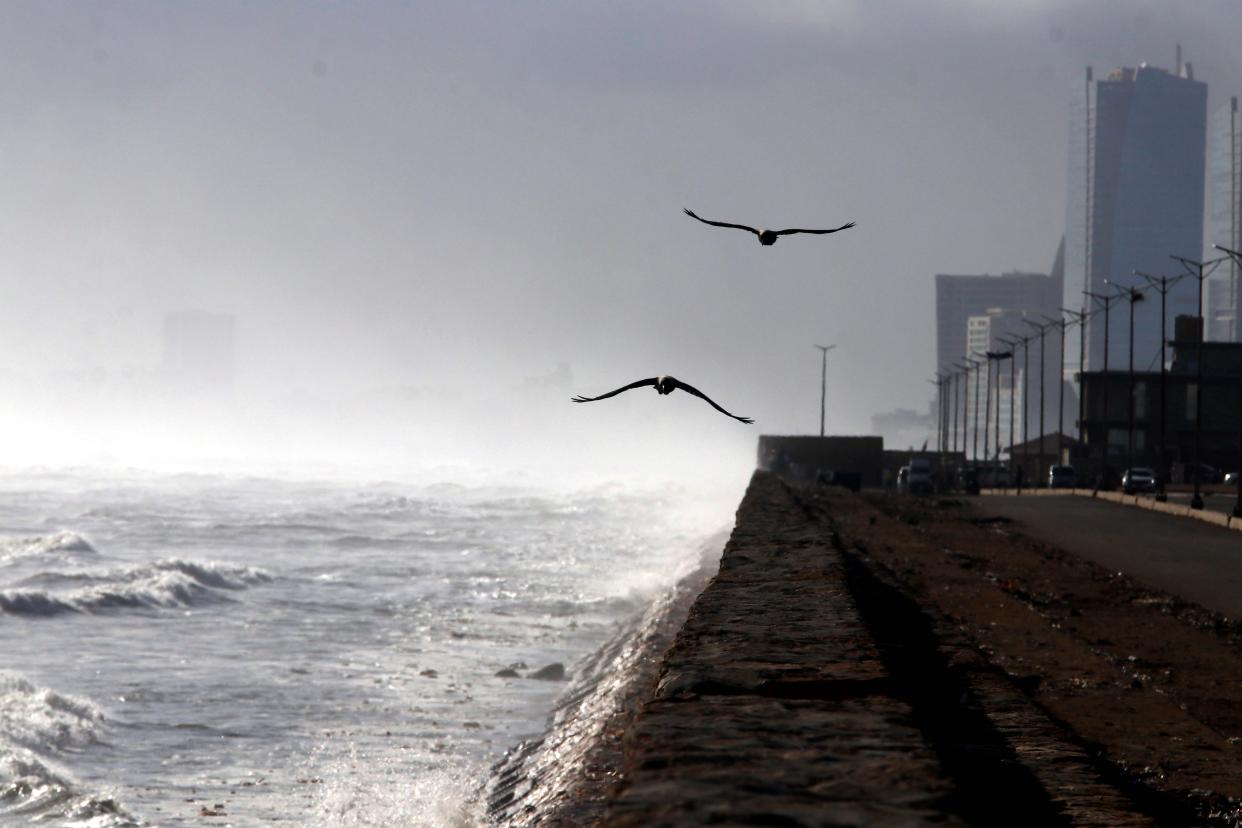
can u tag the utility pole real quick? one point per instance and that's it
(1200, 271)
(823, 384)
(1163, 284)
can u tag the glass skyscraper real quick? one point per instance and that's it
(1135, 196)
(1224, 178)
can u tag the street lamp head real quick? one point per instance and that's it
(1233, 254)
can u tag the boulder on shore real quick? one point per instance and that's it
(553, 672)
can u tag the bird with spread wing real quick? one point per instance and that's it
(766, 237)
(664, 385)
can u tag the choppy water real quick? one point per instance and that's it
(176, 647)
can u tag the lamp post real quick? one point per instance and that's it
(1162, 284)
(1043, 329)
(974, 437)
(1078, 318)
(997, 356)
(987, 401)
(1013, 342)
(1060, 323)
(823, 383)
(1237, 506)
(938, 381)
(953, 407)
(1133, 295)
(965, 366)
(1107, 301)
(1199, 271)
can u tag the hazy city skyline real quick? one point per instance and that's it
(455, 198)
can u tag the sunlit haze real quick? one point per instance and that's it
(434, 223)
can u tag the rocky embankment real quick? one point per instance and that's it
(903, 661)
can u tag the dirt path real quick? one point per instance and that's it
(1147, 683)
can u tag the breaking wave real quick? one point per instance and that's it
(58, 543)
(34, 722)
(166, 584)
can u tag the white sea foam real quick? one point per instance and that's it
(164, 584)
(360, 791)
(42, 719)
(58, 543)
(36, 723)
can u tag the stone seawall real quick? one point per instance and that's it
(806, 688)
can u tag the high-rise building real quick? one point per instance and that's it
(960, 297)
(1135, 197)
(991, 383)
(973, 312)
(199, 348)
(1224, 314)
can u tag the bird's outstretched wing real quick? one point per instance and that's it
(696, 392)
(638, 384)
(691, 214)
(817, 232)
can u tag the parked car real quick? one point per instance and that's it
(1138, 480)
(994, 476)
(919, 479)
(1207, 474)
(968, 480)
(1062, 477)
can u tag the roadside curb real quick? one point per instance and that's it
(1151, 504)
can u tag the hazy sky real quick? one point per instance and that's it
(457, 195)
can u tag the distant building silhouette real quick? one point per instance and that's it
(1135, 196)
(200, 349)
(1224, 302)
(960, 297)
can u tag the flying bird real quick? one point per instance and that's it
(664, 385)
(766, 237)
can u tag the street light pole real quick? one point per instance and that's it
(1060, 323)
(1163, 284)
(996, 357)
(823, 383)
(965, 367)
(1043, 329)
(1237, 506)
(953, 403)
(1199, 271)
(1133, 295)
(1107, 301)
(987, 402)
(1013, 342)
(974, 440)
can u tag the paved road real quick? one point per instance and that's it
(1215, 501)
(1195, 560)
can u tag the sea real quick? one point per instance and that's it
(240, 649)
